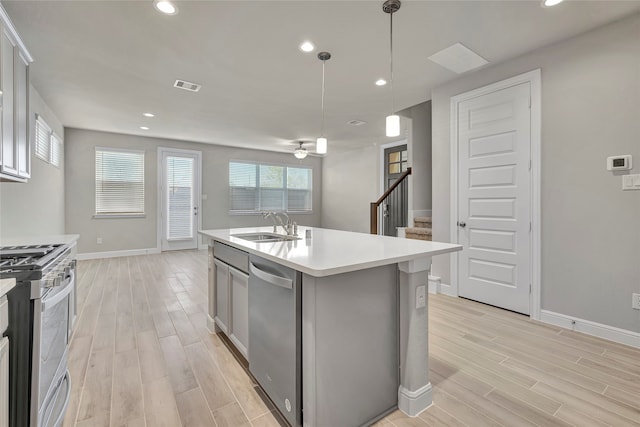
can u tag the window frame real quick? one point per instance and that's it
(116, 215)
(285, 189)
(52, 140)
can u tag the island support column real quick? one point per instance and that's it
(414, 393)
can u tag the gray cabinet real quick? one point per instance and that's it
(221, 275)
(229, 294)
(239, 333)
(15, 150)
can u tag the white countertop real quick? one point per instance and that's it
(331, 252)
(39, 240)
(6, 285)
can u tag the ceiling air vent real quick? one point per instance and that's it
(356, 122)
(191, 87)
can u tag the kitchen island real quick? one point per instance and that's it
(362, 318)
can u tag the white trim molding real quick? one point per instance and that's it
(160, 187)
(116, 254)
(588, 327)
(447, 289)
(534, 78)
(434, 284)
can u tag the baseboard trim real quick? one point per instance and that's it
(434, 284)
(116, 254)
(588, 327)
(446, 289)
(412, 403)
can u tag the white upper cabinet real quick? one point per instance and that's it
(15, 150)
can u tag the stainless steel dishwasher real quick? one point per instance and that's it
(275, 334)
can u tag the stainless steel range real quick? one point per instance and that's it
(41, 309)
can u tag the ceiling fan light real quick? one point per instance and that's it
(300, 153)
(393, 125)
(321, 145)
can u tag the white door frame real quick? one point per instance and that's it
(381, 166)
(160, 166)
(534, 79)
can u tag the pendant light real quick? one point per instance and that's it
(321, 142)
(300, 152)
(393, 120)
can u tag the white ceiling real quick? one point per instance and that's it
(101, 64)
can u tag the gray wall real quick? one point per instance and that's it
(421, 154)
(351, 179)
(590, 228)
(36, 207)
(141, 233)
(350, 183)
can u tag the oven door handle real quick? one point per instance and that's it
(55, 299)
(67, 398)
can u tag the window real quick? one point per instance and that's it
(48, 146)
(257, 187)
(56, 150)
(119, 182)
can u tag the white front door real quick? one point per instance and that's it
(494, 197)
(179, 198)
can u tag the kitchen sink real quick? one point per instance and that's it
(265, 237)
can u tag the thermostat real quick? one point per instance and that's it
(619, 163)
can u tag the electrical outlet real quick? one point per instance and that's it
(421, 296)
(99, 240)
(635, 303)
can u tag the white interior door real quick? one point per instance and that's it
(494, 188)
(179, 198)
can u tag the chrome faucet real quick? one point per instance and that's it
(288, 227)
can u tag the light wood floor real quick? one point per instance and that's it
(141, 355)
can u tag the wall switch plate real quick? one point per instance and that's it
(635, 303)
(631, 182)
(99, 240)
(421, 296)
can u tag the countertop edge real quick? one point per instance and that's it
(6, 285)
(347, 268)
(40, 240)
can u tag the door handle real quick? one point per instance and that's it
(462, 224)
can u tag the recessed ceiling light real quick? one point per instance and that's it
(307, 47)
(144, 128)
(165, 7)
(550, 3)
(381, 82)
(148, 114)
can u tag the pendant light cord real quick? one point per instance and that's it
(322, 101)
(391, 61)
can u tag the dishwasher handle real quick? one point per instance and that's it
(283, 282)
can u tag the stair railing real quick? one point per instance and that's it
(374, 206)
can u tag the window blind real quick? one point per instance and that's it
(56, 149)
(42, 139)
(257, 187)
(179, 198)
(119, 182)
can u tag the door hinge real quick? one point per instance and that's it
(529, 288)
(530, 227)
(529, 164)
(529, 102)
